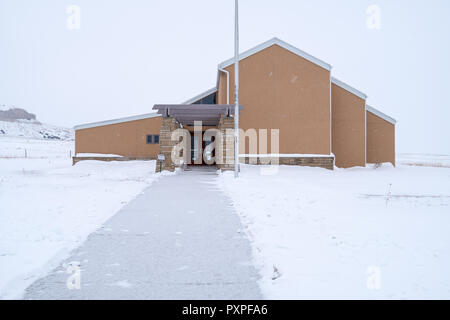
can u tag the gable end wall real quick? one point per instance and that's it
(281, 90)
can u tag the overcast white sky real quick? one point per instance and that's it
(131, 54)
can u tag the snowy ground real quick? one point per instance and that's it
(356, 233)
(424, 160)
(35, 130)
(365, 233)
(48, 207)
(159, 247)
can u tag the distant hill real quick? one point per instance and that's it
(17, 122)
(14, 114)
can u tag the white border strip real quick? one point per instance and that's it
(380, 114)
(350, 89)
(201, 96)
(116, 121)
(282, 44)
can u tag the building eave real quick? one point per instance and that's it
(281, 43)
(349, 88)
(116, 121)
(380, 114)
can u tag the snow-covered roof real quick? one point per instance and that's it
(380, 114)
(349, 88)
(116, 121)
(281, 43)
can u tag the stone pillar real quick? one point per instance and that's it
(166, 144)
(226, 159)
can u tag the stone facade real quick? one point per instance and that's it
(322, 162)
(166, 144)
(224, 148)
(75, 160)
(225, 160)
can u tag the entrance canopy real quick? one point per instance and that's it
(186, 114)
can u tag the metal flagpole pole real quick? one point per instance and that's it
(236, 90)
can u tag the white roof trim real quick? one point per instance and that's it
(201, 96)
(345, 86)
(281, 43)
(116, 121)
(380, 114)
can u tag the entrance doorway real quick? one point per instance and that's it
(200, 150)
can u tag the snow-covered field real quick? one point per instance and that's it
(364, 233)
(48, 207)
(356, 233)
(424, 160)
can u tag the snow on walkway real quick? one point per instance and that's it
(180, 239)
(359, 233)
(48, 207)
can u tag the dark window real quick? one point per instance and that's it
(153, 139)
(211, 99)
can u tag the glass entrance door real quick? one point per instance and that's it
(195, 143)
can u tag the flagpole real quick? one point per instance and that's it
(236, 90)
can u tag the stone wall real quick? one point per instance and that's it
(75, 160)
(322, 162)
(166, 144)
(224, 151)
(225, 160)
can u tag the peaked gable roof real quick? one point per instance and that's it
(281, 43)
(380, 114)
(350, 89)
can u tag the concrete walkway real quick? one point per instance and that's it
(180, 239)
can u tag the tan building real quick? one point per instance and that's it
(320, 120)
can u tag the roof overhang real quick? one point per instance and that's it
(349, 88)
(187, 114)
(281, 43)
(380, 114)
(116, 121)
